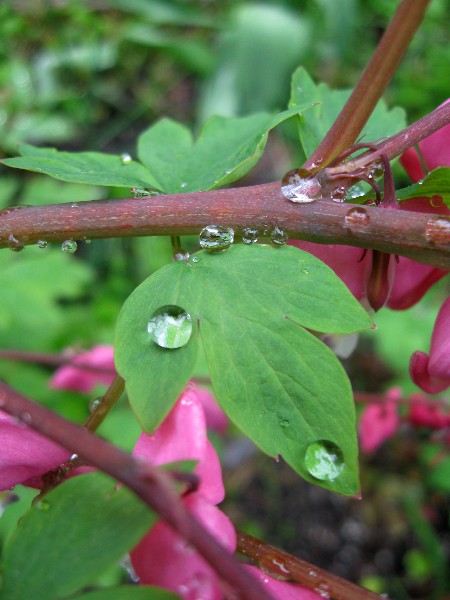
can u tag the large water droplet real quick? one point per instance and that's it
(338, 194)
(69, 246)
(324, 460)
(278, 236)
(216, 238)
(181, 255)
(357, 218)
(250, 235)
(299, 188)
(42, 244)
(125, 158)
(170, 327)
(437, 230)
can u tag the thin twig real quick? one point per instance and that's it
(53, 360)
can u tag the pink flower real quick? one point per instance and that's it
(379, 422)
(162, 557)
(282, 590)
(432, 373)
(69, 377)
(25, 454)
(216, 419)
(425, 414)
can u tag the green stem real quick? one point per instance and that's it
(371, 86)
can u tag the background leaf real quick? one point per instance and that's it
(282, 386)
(313, 125)
(65, 541)
(82, 167)
(129, 592)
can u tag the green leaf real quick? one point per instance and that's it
(129, 592)
(314, 125)
(82, 167)
(76, 532)
(249, 305)
(226, 149)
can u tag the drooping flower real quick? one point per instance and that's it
(423, 413)
(163, 558)
(25, 453)
(379, 421)
(70, 377)
(432, 372)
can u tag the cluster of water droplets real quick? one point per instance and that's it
(170, 327)
(298, 186)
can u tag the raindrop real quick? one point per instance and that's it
(69, 246)
(324, 460)
(42, 505)
(215, 238)
(194, 259)
(181, 255)
(300, 188)
(250, 235)
(74, 205)
(278, 236)
(183, 184)
(94, 404)
(437, 230)
(14, 244)
(436, 201)
(377, 170)
(339, 194)
(170, 327)
(141, 192)
(125, 158)
(305, 271)
(42, 244)
(73, 457)
(357, 218)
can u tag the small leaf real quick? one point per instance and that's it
(82, 167)
(314, 125)
(76, 532)
(129, 592)
(226, 149)
(282, 386)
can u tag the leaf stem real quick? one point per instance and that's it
(262, 206)
(281, 563)
(153, 486)
(369, 89)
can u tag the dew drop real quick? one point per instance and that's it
(141, 192)
(305, 271)
(339, 194)
(324, 460)
(437, 230)
(170, 327)
(74, 457)
(42, 505)
(183, 184)
(278, 236)
(181, 255)
(250, 235)
(14, 244)
(94, 404)
(194, 259)
(376, 170)
(436, 201)
(298, 187)
(125, 158)
(74, 205)
(69, 246)
(215, 238)
(42, 244)
(357, 218)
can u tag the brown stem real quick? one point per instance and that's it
(261, 206)
(52, 360)
(371, 86)
(280, 563)
(151, 485)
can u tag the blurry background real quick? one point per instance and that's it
(92, 75)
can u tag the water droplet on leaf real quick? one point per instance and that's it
(181, 255)
(324, 460)
(215, 238)
(278, 236)
(170, 327)
(305, 271)
(42, 244)
(69, 246)
(437, 230)
(183, 184)
(74, 205)
(250, 235)
(284, 423)
(357, 218)
(125, 158)
(300, 188)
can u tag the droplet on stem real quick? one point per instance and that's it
(278, 236)
(125, 158)
(170, 327)
(42, 244)
(297, 187)
(250, 235)
(69, 246)
(215, 238)
(437, 230)
(338, 194)
(357, 218)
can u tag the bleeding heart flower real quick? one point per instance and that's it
(379, 421)
(70, 377)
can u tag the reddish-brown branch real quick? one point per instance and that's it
(152, 486)
(53, 360)
(371, 86)
(280, 563)
(261, 206)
